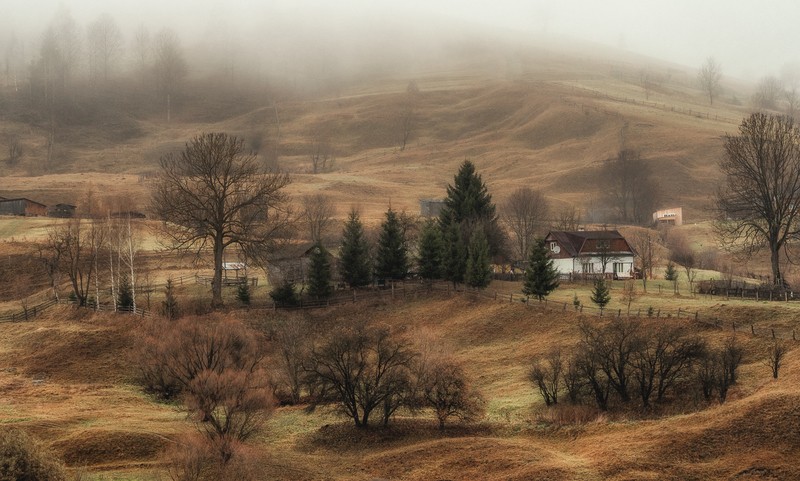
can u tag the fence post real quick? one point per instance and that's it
(565, 307)
(639, 312)
(619, 313)
(773, 333)
(734, 326)
(581, 308)
(793, 338)
(696, 313)
(752, 330)
(658, 314)
(679, 313)
(511, 297)
(756, 295)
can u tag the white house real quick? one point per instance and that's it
(591, 252)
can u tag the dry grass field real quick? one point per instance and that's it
(68, 377)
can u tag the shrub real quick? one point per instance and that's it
(23, 459)
(285, 295)
(243, 293)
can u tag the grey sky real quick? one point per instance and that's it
(750, 38)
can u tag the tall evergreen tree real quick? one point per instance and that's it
(169, 306)
(454, 253)
(319, 282)
(600, 294)
(479, 269)
(430, 251)
(391, 261)
(125, 294)
(469, 204)
(355, 265)
(541, 276)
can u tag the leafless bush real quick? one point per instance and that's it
(445, 389)
(546, 375)
(291, 343)
(360, 367)
(216, 366)
(775, 357)
(14, 150)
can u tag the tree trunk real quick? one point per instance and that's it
(776, 267)
(216, 283)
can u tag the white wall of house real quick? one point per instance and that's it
(622, 266)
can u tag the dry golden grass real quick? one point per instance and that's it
(66, 378)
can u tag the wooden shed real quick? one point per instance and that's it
(23, 207)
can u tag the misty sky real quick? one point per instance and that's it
(750, 38)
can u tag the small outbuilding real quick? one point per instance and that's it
(64, 211)
(22, 207)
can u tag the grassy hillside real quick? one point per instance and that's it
(68, 379)
(547, 123)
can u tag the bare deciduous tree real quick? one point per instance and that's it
(775, 357)
(105, 46)
(546, 375)
(318, 216)
(632, 192)
(681, 253)
(77, 245)
(169, 65)
(408, 114)
(709, 76)
(759, 201)
(645, 242)
(216, 366)
(568, 219)
(524, 214)
(320, 150)
(14, 149)
(360, 367)
(445, 389)
(768, 91)
(214, 194)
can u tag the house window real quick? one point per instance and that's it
(603, 244)
(587, 267)
(619, 268)
(553, 246)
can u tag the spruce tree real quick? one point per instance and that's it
(600, 293)
(454, 254)
(391, 261)
(541, 276)
(355, 265)
(169, 306)
(479, 270)
(319, 282)
(470, 205)
(125, 294)
(430, 251)
(243, 292)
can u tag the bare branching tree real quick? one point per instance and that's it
(317, 215)
(408, 113)
(768, 92)
(631, 189)
(775, 356)
(546, 375)
(320, 151)
(759, 201)
(682, 253)
(568, 219)
(645, 243)
(525, 213)
(361, 368)
(14, 149)
(213, 194)
(105, 47)
(709, 77)
(77, 246)
(169, 66)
